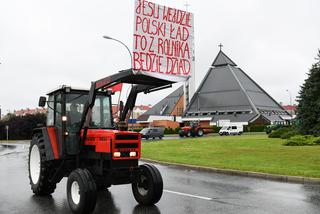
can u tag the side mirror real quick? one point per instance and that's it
(42, 101)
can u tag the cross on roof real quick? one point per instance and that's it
(187, 5)
(220, 46)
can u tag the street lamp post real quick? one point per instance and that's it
(7, 129)
(110, 38)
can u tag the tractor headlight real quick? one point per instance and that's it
(133, 154)
(117, 154)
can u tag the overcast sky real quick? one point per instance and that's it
(44, 44)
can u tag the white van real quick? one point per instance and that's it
(231, 130)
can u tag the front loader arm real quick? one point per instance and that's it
(141, 83)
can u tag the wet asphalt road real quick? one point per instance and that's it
(186, 191)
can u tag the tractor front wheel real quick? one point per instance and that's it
(188, 134)
(148, 187)
(181, 133)
(39, 168)
(81, 191)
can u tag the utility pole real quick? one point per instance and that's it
(7, 128)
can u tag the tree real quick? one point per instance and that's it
(309, 101)
(20, 127)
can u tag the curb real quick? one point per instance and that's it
(266, 176)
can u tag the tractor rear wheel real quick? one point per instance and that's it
(148, 188)
(39, 168)
(81, 191)
(200, 132)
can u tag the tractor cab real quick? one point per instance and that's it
(66, 104)
(65, 109)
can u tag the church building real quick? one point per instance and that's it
(228, 95)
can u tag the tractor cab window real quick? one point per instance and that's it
(74, 108)
(50, 115)
(58, 109)
(101, 115)
(101, 112)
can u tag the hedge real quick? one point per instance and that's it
(302, 140)
(20, 127)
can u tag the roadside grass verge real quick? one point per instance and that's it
(256, 153)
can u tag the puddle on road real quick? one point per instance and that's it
(6, 149)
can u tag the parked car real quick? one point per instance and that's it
(152, 132)
(231, 130)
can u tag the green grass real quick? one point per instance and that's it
(256, 153)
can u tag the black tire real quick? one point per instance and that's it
(153, 138)
(87, 193)
(148, 188)
(147, 137)
(188, 134)
(227, 133)
(181, 134)
(160, 137)
(40, 185)
(193, 133)
(200, 132)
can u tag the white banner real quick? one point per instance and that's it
(163, 44)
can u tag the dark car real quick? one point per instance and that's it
(152, 132)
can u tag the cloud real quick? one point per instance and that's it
(45, 43)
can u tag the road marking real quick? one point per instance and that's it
(189, 195)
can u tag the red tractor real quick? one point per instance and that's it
(194, 129)
(80, 141)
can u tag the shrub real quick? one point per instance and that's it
(268, 129)
(171, 131)
(20, 127)
(302, 140)
(215, 129)
(254, 128)
(290, 134)
(316, 141)
(284, 132)
(279, 132)
(135, 129)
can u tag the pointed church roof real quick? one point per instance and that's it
(166, 105)
(222, 59)
(227, 92)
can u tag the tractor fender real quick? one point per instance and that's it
(50, 154)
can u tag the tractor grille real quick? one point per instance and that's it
(127, 137)
(126, 145)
